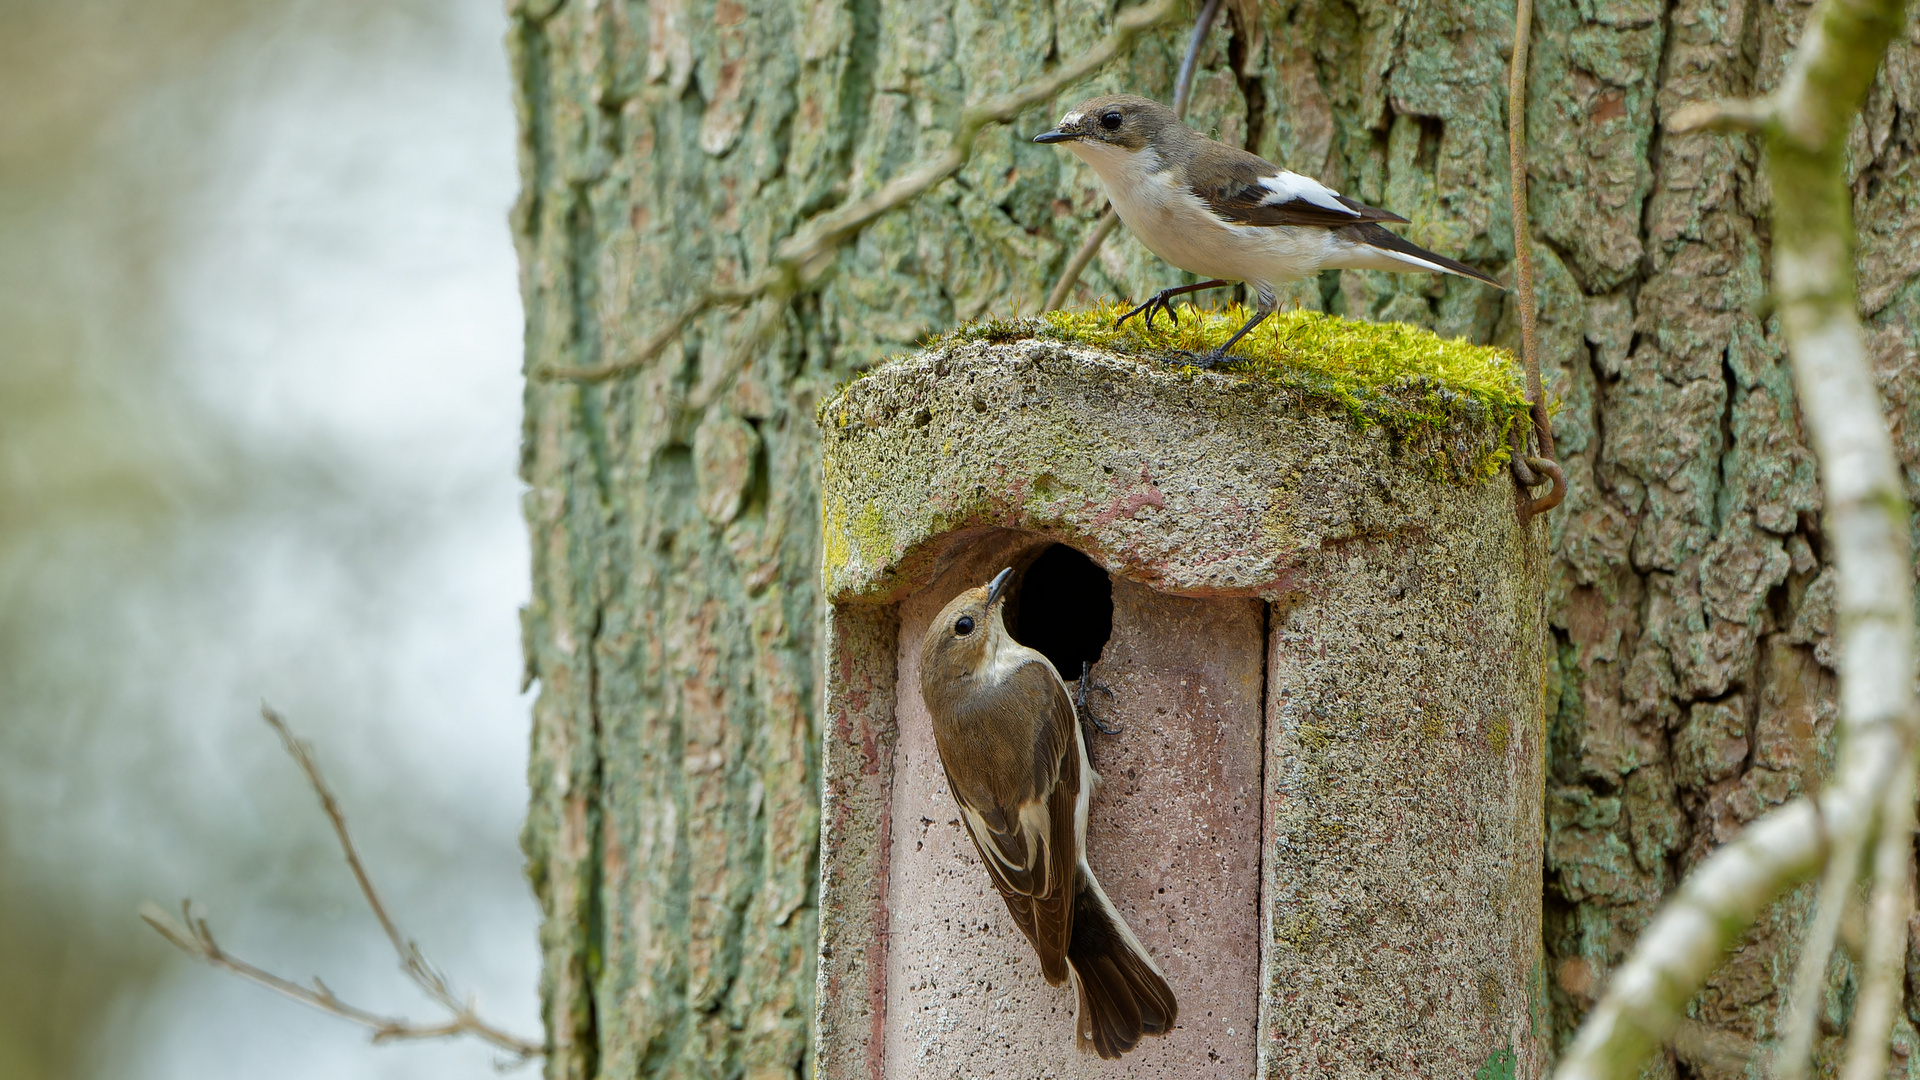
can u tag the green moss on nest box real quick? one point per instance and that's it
(1359, 363)
(1401, 377)
(1452, 402)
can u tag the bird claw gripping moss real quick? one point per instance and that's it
(1163, 301)
(1202, 361)
(1084, 708)
(1160, 301)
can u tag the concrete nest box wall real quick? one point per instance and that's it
(1320, 624)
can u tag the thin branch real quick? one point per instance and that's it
(1794, 1054)
(193, 936)
(1190, 63)
(1883, 963)
(1069, 277)
(1873, 782)
(410, 960)
(1807, 122)
(1690, 936)
(1825, 85)
(1688, 939)
(1738, 116)
(1109, 221)
(801, 261)
(759, 322)
(1710, 1049)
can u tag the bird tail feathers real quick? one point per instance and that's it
(1371, 247)
(1122, 994)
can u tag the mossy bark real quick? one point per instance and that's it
(675, 621)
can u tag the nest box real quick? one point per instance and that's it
(1321, 631)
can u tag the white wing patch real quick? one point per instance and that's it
(1288, 186)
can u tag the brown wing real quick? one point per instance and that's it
(1022, 819)
(1249, 190)
(1376, 237)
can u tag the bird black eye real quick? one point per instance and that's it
(1111, 121)
(964, 626)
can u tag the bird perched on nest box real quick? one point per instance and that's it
(1222, 213)
(1016, 763)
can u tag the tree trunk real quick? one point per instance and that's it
(674, 509)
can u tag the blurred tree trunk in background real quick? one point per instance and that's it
(674, 625)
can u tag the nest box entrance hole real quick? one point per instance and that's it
(1063, 609)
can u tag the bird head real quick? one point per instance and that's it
(1117, 121)
(962, 640)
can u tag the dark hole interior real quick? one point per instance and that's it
(1064, 609)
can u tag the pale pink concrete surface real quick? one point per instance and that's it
(1174, 838)
(1403, 817)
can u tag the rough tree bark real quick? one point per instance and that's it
(674, 509)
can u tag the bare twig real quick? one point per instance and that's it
(1109, 221)
(802, 261)
(1882, 963)
(1190, 63)
(192, 935)
(1712, 1050)
(1806, 123)
(1688, 939)
(411, 961)
(1802, 1020)
(1070, 276)
(1726, 116)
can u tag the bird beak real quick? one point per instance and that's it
(1056, 135)
(999, 585)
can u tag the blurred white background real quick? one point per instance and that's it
(259, 424)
